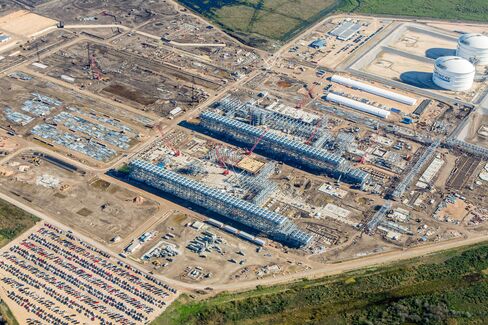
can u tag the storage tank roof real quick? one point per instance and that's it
(474, 40)
(454, 64)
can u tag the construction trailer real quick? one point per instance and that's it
(267, 222)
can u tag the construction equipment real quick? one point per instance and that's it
(300, 103)
(310, 91)
(93, 65)
(167, 143)
(221, 161)
(94, 68)
(314, 132)
(106, 13)
(249, 152)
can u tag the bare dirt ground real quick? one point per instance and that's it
(24, 24)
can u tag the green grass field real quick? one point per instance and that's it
(446, 288)
(267, 24)
(13, 221)
(476, 10)
(259, 22)
(7, 314)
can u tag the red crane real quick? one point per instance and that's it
(314, 132)
(221, 162)
(167, 143)
(97, 74)
(310, 90)
(249, 152)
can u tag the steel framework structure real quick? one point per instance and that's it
(315, 159)
(268, 222)
(378, 217)
(411, 175)
(468, 147)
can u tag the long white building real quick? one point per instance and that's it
(373, 90)
(354, 104)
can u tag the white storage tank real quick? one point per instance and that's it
(474, 48)
(453, 73)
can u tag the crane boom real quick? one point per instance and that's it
(314, 132)
(176, 152)
(249, 152)
(221, 161)
(94, 68)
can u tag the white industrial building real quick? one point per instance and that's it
(354, 104)
(373, 90)
(453, 73)
(474, 48)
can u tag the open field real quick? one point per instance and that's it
(442, 9)
(6, 313)
(438, 289)
(256, 23)
(13, 221)
(83, 202)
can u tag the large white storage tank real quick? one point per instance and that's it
(474, 48)
(453, 73)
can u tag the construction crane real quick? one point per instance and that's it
(249, 152)
(314, 132)
(93, 65)
(97, 74)
(221, 161)
(167, 143)
(300, 103)
(310, 92)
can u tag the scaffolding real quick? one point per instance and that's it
(415, 170)
(227, 154)
(468, 148)
(279, 147)
(267, 222)
(278, 121)
(378, 217)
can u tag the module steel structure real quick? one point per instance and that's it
(272, 224)
(273, 145)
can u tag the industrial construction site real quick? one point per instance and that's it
(166, 157)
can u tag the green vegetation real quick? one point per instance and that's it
(444, 9)
(259, 22)
(445, 288)
(264, 23)
(13, 221)
(7, 315)
(124, 169)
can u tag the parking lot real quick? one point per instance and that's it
(53, 277)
